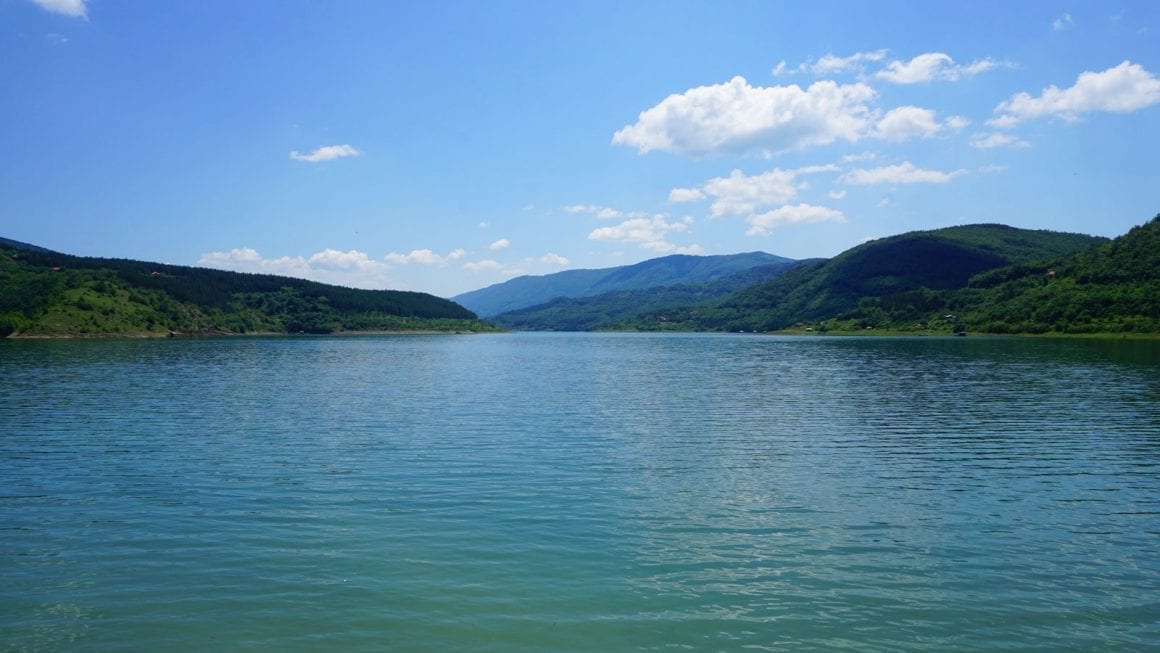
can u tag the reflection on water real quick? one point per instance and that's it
(580, 492)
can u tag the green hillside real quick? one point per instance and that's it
(1113, 288)
(938, 260)
(527, 291)
(44, 293)
(611, 310)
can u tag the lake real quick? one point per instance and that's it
(580, 492)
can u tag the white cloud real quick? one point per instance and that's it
(904, 123)
(325, 153)
(933, 66)
(996, 139)
(903, 173)
(1061, 23)
(649, 233)
(74, 8)
(831, 64)
(424, 257)
(352, 269)
(737, 117)
(351, 260)
(740, 194)
(885, 201)
(603, 212)
(992, 169)
(484, 225)
(485, 265)
(502, 243)
(552, 258)
(678, 195)
(765, 223)
(1122, 89)
(836, 194)
(865, 156)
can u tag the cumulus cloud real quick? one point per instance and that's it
(903, 173)
(1061, 23)
(836, 194)
(907, 122)
(352, 268)
(325, 153)
(987, 141)
(933, 66)
(424, 257)
(765, 223)
(1125, 88)
(648, 233)
(740, 118)
(74, 8)
(502, 243)
(741, 194)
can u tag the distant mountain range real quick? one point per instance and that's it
(525, 291)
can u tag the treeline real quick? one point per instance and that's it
(48, 293)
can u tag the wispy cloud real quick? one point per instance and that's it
(74, 8)
(1061, 23)
(1125, 88)
(765, 223)
(325, 153)
(934, 66)
(991, 140)
(832, 64)
(903, 173)
(603, 212)
(502, 243)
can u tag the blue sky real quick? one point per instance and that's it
(446, 146)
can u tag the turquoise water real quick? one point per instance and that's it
(578, 492)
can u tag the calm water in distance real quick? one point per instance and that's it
(580, 492)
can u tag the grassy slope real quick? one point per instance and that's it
(47, 293)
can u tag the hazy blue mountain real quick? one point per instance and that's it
(526, 291)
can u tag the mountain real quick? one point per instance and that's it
(1112, 288)
(916, 262)
(45, 293)
(611, 310)
(525, 291)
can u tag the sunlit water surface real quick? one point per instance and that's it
(525, 492)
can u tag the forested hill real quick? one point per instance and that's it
(526, 291)
(45, 293)
(940, 259)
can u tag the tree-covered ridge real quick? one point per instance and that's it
(526, 291)
(48, 293)
(1113, 288)
(613, 310)
(938, 260)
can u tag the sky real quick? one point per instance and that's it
(446, 146)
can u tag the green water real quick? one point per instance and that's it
(535, 492)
